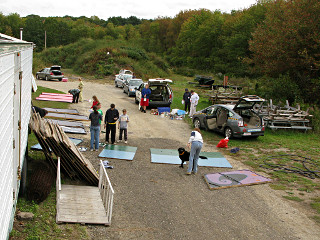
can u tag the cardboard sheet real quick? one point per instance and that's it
(38, 147)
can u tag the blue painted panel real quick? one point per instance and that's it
(117, 154)
(171, 156)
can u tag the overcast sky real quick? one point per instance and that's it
(108, 8)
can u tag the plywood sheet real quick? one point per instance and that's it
(61, 110)
(234, 179)
(118, 152)
(171, 156)
(73, 130)
(67, 123)
(67, 116)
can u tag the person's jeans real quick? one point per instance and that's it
(125, 134)
(111, 128)
(75, 98)
(194, 156)
(95, 136)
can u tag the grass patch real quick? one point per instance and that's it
(278, 187)
(293, 198)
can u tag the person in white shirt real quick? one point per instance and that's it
(194, 102)
(196, 143)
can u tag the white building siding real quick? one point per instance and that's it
(15, 105)
(6, 141)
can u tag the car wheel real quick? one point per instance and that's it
(46, 78)
(60, 79)
(197, 123)
(228, 132)
(124, 91)
(37, 77)
(115, 84)
(128, 94)
(136, 101)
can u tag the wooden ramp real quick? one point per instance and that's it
(85, 204)
(81, 204)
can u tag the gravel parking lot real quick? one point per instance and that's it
(158, 201)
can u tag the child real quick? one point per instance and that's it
(123, 126)
(95, 116)
(95, 100)
(99, 110)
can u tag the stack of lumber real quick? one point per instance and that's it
(51, 136)
(225, 95)
(284, 117)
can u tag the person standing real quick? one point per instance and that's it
(99, 110)
(80, 87)
(75, 95)
(123, 126)
(145, 95)
(112, 115)
(196, 143)
(96, 119)
(194, 102)
(186, 100)
(95, 100)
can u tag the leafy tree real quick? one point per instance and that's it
(34, 31)
(288, 41)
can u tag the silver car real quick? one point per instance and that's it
(123, 77)
(131, 86)
(53, 72)
(237, 120)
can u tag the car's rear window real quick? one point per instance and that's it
(135, 83)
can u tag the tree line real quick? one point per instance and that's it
(278, 39)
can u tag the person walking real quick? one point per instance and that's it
(186, 100)
(80, 87)
(196, 143)
(145, 95)
(194, 102)
(123, 126)
(75, 95)
(96, 119)
(110, 121)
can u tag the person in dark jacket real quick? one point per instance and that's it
(110, 122)
(75, 95)
(95, 118)
(186, 99)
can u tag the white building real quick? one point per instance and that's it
(15, 108)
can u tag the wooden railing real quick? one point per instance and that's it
(106, 191)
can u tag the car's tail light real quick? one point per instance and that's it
(244, 130)
(62, 74)
(170, 96)
(262, 129)
(240, 123)
(51, 73)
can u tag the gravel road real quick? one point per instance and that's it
(158, 201)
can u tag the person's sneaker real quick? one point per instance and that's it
(107, 142)
(114, 143)
(144, 111)
(188, 173)
(195, 173)
(125, 142)
(119, 141)
(96, 150)
(91, 149)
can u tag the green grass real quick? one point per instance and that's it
(293, 198)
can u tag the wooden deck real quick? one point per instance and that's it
(81, 204)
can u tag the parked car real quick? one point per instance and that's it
(161, 93)
(237, 120)
(131, 86)
(123, 77)
(53, 72)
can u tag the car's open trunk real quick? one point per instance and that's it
(56, 72)
(250, 118)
